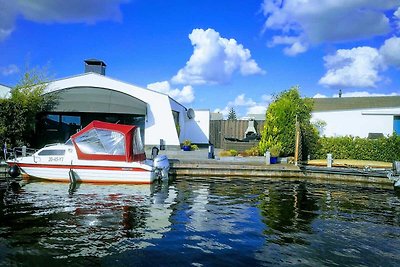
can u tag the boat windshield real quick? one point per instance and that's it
(68, 142)
(101, 141)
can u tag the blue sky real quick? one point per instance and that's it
(211, 54)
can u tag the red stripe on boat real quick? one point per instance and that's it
(81, 167)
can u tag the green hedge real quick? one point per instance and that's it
(348, 147)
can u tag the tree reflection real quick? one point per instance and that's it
(287, 213)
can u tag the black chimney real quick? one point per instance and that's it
(96, 66)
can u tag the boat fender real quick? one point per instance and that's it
(14, 171)
(72, 178)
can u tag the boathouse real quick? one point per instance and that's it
(163, 121)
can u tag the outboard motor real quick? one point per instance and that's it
(154, 152)
(14, 171)
(161, 163)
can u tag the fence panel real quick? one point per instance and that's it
(219, 129)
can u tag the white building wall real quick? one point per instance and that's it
(159, 123)
(355, 122)
(4, 91)
(197, 130)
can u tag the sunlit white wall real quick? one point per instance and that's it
(197, 129)
(355, 122)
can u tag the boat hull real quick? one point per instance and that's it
(88, 174)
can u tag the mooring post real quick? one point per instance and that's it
(297, 143)
(329, 160)
(267, 158)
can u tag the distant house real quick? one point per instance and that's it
(93, 96)
(4, 91)
(358, 116)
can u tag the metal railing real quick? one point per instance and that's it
(18, 152)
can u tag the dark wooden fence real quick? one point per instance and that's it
(220, 129)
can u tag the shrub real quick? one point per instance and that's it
(224, 153)
(228, 153)
(348, 147)
(187, 142)
(233, 152)
(280, 123)
(254, 151)
(18, 113)
(275, 150)
(194, 147)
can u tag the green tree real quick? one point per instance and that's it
(232, 114)
(280, 123)
(18, 113)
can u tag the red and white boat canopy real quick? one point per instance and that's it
(108, 141)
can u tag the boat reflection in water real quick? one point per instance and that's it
(97, 220)
(200, 221)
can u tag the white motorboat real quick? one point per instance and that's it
(100, 153)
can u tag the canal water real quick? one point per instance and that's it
(199, 222)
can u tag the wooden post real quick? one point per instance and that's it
(296, 151)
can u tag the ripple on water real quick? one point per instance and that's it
(200, 222)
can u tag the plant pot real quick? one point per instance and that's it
(273, 160)
(186, 148)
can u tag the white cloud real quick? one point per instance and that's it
(57, 11)
(9, 70)
(319, 96)
(243, 105)
(215, 59)
(258, 109)
(241, 100)
(357, 67)
(361, 66)
(224, 111)
(184, 96)
(295, 44)
(295, 48)
(397, 18)
(390, 51)
(397, 13)
(314, 22)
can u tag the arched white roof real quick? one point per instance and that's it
(159, 119)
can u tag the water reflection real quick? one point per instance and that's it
(93, 220)
(199, 222)
(288, 213)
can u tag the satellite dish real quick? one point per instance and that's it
(190, 113)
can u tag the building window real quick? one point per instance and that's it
(175, 114)
(396, 124)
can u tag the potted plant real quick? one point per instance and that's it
(186, 145)
(275, 150)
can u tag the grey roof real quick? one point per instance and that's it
(350, 103)
(257, 117)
